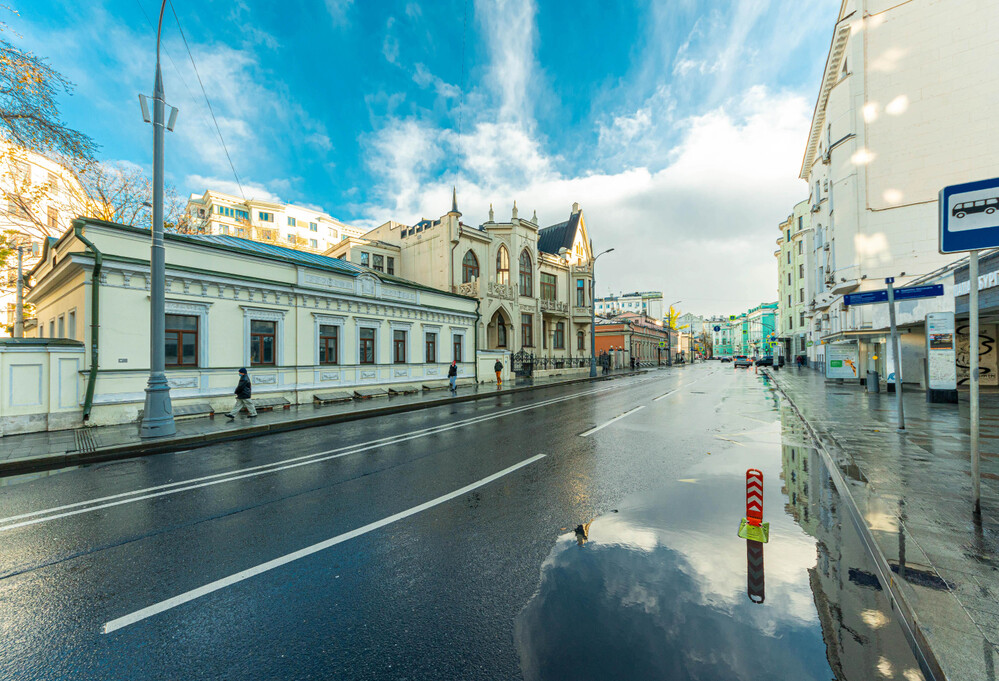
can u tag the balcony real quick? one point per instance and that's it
(504, 291)
(469, 288)
(556, 306)
(581, 312)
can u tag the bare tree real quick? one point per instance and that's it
(29, 115)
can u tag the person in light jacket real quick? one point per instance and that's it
(498, 368)
(452, 375)
(243, 397)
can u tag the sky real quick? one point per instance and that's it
(679, 126)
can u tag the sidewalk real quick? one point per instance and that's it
(57, 449)
(912, 495)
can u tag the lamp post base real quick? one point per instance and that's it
(157, 415)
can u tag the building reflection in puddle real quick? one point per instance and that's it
(657, 590)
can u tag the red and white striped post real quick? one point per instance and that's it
(753, 527)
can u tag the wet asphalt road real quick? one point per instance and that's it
(91, 557)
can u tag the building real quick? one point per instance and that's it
(630, 336)
(534, 284)
(40, 198)
(795, 256)
(649, 303)
(760, 325)
(303, 324)
(719, 330)
(275, 223)
(378, 255)
(905, 107)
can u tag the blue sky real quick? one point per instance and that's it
(678, 125)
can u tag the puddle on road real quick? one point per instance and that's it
(664, 588)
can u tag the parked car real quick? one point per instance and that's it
(765, 362)
(725, 358)
(742, 361)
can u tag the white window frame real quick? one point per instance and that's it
(456, 333)
(264, 314)
(433, 329)
(408, 328)
(328, 320)
(71, 323)
(366, 324)
(199, 310)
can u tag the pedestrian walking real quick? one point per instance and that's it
(498, 368)
(452, 375)
(243, 397)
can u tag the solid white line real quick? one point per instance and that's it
(616, 418)
(218, 584)
(253, 471)
(663, 397)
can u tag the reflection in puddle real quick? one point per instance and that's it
(31, 477)
(665, 589)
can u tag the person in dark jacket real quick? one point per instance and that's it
(498, 368)
(452, 375)
(244, 392)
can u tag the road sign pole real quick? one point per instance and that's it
(896, 347)
(973, 346)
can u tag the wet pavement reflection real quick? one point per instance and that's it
(664, 588)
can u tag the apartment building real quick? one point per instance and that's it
(795, 256)
(649, 303)
(280, 224)
(905, 107)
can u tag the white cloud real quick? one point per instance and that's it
(337, 9)
(199, 184)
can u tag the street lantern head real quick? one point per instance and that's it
(144, 103)
(173, 118)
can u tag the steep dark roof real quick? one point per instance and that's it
(562, 235)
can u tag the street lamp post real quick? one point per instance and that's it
(157, 415)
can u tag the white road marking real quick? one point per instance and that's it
(219, 584)
(77, 508)
(665, 395)
(616, 418)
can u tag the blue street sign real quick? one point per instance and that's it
(908, 293)
(969, 216)
(717, 328)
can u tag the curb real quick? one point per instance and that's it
(920, 646)
(131, 450)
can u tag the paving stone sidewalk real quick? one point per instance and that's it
(48, 450)
(913, 490)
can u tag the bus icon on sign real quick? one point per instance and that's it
(984, 206)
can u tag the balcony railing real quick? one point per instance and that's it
(554, 306)
(506, 291)
(578, 311)
(469, 288)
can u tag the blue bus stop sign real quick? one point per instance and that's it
(969, 216)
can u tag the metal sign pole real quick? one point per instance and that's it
(973, 346)
(896, 347)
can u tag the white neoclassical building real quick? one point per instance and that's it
(533, 284)
(906, 106)
(303, 324)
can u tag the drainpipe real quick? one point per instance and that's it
(475, 354)
(95, 301)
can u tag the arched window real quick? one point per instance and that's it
(469, 268)
(559, 341)
(526, 274)
(500, 333)
(502, 266)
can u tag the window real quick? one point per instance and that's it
(527, 331)
(801, 247)
(580, 340)
(799, 223)
(72, 324)
(469, 268)
(549, 286)
(16, 208)
(290, 238)
(801, 319)
(329, 344)
(801, 295)
(53, 182)
(789, 300)
(313, 227)
(292, 222)
(62, 326)
(365, 259)
(500, 334)
(379, 263)
(53, 218)
(789, 257)
(51, 328)
(265, 217)
(581, 293)
(241, 215)
(431, 348)
(789, 236)
(22, 173)
(544, 334)
(262, 339)
(801, 271)
(502, 266)
(559, 343)
(390, 267)
(788, 278)
(181, 340)
(333, 234)
(526, 274)
(366, 348)
(399, 347)
(313, 243)
(456, 343)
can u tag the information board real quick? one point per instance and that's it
(842, 360)
(941, 351)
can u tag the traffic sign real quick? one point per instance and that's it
(662, 344)
(908, 293)
(969, 216)
(717, 328)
